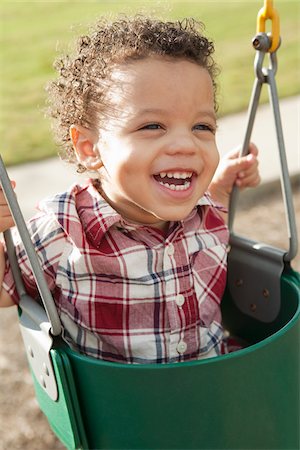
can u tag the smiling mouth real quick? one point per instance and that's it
(175, 181)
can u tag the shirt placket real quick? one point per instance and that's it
(175, 301)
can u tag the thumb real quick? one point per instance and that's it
(236, 152)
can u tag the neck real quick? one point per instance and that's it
(161, 225)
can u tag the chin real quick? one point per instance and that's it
(176, 217)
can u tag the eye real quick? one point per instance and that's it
(204, 127)
(151, 126)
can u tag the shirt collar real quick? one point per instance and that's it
(108, 217)
(205, 200)
(84, 204)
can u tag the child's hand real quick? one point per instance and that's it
(5, 298)
(234, 170)
(6, 222)
(6, 219)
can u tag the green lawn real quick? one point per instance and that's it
(33, 34)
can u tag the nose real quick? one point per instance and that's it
(181, 142)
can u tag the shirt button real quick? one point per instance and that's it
(180, 300)
(170, 249)
(181, 347)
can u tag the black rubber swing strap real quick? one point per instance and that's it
(42, 286)
(264, 75)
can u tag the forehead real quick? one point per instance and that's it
(155, 82)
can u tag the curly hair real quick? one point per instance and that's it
(77, 96)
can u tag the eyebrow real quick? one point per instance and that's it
(143, 112)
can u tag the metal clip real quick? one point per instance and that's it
(261, 42)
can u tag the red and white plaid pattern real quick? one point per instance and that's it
(125, 292)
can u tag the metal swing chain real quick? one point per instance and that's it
(269, 43)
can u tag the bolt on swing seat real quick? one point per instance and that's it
(252, 397)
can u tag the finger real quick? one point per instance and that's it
(236, 152)
(241, 167)
(2, 195)
(247, 164)
(6, 223)
(13, 185)
(4, 208)
(247, 167)
(253, 150)
(2, 262)
(251, 180)
(4, 212)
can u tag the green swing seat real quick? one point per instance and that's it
(247, 399)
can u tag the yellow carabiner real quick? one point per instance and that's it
(265, 13)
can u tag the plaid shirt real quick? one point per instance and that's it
(125, 292)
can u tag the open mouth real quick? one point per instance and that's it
(175, 181)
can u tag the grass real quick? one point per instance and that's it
(33, 34)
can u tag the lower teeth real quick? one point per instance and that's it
(179, 187)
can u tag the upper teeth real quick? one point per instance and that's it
(178, 175)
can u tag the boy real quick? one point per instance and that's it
(136, 258)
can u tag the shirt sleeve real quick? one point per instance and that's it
(49, 241)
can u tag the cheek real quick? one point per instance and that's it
(125, 162)
(212, 159)
(216, 160)
(111, 157)
(119, 170)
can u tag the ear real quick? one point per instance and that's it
(85, 146)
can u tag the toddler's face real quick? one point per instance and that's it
(158, 146)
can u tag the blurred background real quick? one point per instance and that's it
(32, 35)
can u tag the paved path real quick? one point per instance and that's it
(38, 180)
